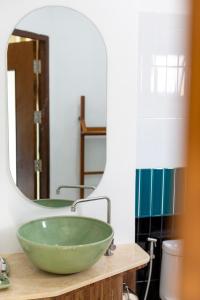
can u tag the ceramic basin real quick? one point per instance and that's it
(65, 244)
(54, 202)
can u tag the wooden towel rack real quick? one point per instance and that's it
(86, 131)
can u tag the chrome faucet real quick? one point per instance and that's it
(73, 208)
(87, 187)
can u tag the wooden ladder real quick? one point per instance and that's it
(86, 131)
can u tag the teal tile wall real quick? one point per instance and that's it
(168, 193)
(157, 183)
(157, 192)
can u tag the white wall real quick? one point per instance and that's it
(119, 27)
(78, 66)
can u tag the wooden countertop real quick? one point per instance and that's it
(27, 282)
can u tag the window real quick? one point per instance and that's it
(168, 74)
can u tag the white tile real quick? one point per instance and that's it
(162, 89)
(160, 143)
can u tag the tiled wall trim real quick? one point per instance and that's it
(158, 193)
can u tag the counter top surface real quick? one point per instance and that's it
(27, 282)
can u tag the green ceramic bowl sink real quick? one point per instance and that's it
(54, 202)
(65, 244)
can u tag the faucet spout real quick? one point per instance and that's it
(88, 187)
(75, 203)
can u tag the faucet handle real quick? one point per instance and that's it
(112, 246)
(108, 252)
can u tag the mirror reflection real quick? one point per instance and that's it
(57, 76)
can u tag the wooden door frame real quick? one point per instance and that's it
(44, 104)
(190, 288)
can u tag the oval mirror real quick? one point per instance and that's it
(57, 76)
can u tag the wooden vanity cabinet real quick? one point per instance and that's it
(108, 289)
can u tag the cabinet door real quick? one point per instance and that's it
(108, 289)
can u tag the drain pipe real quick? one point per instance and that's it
(152, 242)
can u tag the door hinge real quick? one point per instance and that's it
(38, 117)
(37, 66)
(38, 165)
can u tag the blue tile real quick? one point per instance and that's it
(168, 192)
(137, 192)
(157, 185)
(179, 190)
(144, 193)
(158, 192)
